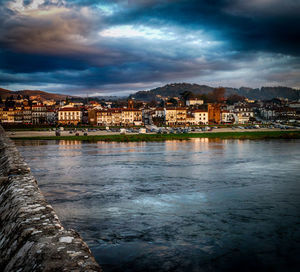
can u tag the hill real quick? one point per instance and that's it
(175, 89)
(41, 95)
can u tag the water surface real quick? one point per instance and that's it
(200, 205)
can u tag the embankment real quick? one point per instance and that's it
(31, 235)
(250, 135)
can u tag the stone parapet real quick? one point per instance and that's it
(31, 235)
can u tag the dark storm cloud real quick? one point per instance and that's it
(94, 44)
(270, 26)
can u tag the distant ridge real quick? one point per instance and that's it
(175, 89)
(41, 95)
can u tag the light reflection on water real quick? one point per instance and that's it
(200, 205)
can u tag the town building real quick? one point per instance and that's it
(194, 101)
(244, 113)
(228, 117)
(190, 119)
(132, 117)
(214, 113)
(108, 117)
(68, 115)
(39, 114)
(27, 114)
(51, 116)
(201, 116)
(175, 116)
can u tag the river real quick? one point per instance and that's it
(199, 205)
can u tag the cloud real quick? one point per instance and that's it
(51, 30)
(276, 8)
(107, 46)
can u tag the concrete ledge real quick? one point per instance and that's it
(31, 235)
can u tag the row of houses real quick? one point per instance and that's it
(115, 117)
(170, 116)
(25, 114)
(217, 113)
(280, 113)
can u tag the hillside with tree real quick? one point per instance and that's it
(202, 91)
(40, 95)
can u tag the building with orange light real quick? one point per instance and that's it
(175, 116)
(108, 117)
(214, 113)
(132, 117)
(68, 115)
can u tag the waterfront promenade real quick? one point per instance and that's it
(25, 134)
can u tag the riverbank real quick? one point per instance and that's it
(252, 135)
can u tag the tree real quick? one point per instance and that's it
(162, 104)
(218, 94)
(9, 102)
(234, 98)
(203, 97)
(152, 103)
(173, 101)
(186, 95)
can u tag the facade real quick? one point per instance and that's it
(214, 113)
(39, 113)
(147, 116)
(4, 114)
(92, 116)
(51, 117)
(158, 116)
(132, 117)
(27, 114)
(115, 117)
(108, 117)
(190, 120)
(201, 117)
(244, 114)
(18, 115)
(170, 116)
(194, 101)
(175, 116)
(268, 113)
(70, 115)
(287, 113)
(8, 115)
(295, 105)
(228, 117)
(159, 112)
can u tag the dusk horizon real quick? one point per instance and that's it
(129, 93)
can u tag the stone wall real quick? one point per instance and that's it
(31, 235)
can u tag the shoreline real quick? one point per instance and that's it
(247, 135)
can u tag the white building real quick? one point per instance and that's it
(201, 116)
(229, 117)
(194, 101)
(244, 114)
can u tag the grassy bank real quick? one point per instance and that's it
(164, 137)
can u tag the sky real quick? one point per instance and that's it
(106, 47)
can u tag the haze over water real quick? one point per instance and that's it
(199, 205)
